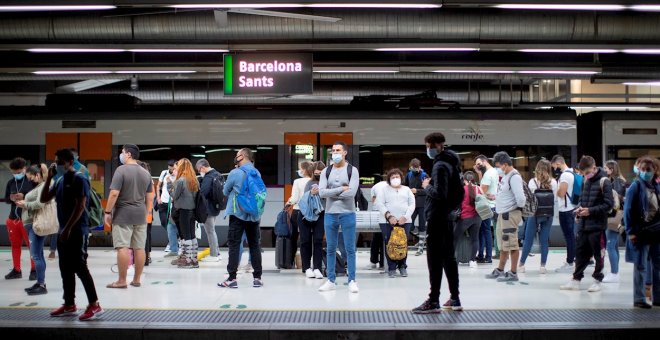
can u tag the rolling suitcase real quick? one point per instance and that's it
(283, 250)
(340, 264)
(464, 248)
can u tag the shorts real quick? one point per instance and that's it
(129, 236)
(506, 233)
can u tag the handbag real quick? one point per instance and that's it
(614, 222)
(45, 220)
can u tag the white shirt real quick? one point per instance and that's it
(298, 191)
(376, 190)
(562, 202)
(492, 180)
(164, 194)
(398, 201)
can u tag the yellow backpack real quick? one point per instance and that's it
(397, 246)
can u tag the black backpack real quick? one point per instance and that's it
(545, 199)
(361, 202)
(201, 213)
(218, 198)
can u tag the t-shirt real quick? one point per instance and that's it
(568, 178)
(133, 183)
(468, 210)
(492, 180)
(164, 193)
(70, 187)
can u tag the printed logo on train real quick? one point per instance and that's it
(472, 134)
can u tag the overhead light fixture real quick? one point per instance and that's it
(364, 5)
(475, 71)
(69, 72)
(568, 50)
(316, 5)
(578, 106)
(178, 50)
(136, 50)
(154, 72)
(651, 83)
(355, 71)
(427, 49)
(646, 8)
(515, 71)
(563, 7)
(73, 72)
(642, 51)
(558, 72)
(37, 8)
(74, 50)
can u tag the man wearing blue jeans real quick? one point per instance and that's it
(338, 185)
(566, 216)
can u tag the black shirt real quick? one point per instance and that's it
(14, 187)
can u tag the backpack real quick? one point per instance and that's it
(283, 224)
(531, 204)
(545, 199)
(578, 181)
(617, 202)
(252, 197)
(482, 205)
(201, 213)
(361, 202)
(94, 208)
(397, 246)
(218, 198)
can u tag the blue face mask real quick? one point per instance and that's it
(636, 170)
(500, 172)
(336, 158)
(19, 177)
(61, 170)
(431, 152)
(646, 176)
(122, 158)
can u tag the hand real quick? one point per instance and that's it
(52, 170)
(20, 204)
(64, 236)
(18, 196)
(315, 191)
(414, 191)
(168, 179)
(160, 201)
(107, 219)
(491, 197)
(632, 238)
(402, 220)
(392, 218)
(345, 188)
(426, 182)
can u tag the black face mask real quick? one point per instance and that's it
(482, 168)
(236, 160)
(170, 171)
(556, 172)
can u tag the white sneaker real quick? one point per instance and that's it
(571, 285)
(543, 270)
(565, 268)
(211, 259)
(318, 274)
(309, 273)
(611, 278)
(328, 286)
(167, 249)
(353, 287)
(595, 287)
(473, 264)
(521, 269)
(372, 266)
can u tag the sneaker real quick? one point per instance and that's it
(353, 287)
(521, 269)
(642, 305)
(571, 285)
(38, 290)
(211, 259)
(33, 275)
(595, 287)
(328, 286)
(14, 274)
(179, 260)
(419, 252)
(372, 266)
(473, 264)
(454, 305)
(91, 313)
(508, 277)
(318, 274)
(391, 274)
(403, 272)
(187, 265)
(611, 278)
(52, 255)
(310, 273)
(170, 254)
(565, 268)
(167, 249)
(31, 287)
(495, 274)
(543, 270)
(228, 284)
(64, 310)
(257, 283)
(428, 307)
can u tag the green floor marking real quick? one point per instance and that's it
(169, 282)
(510, 283)
(31, 304)
(524, 283)
(225, 306)
(16, 304)
(155, 282)
(241, 307)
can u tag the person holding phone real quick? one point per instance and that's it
(16, 189)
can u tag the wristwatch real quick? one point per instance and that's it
(108, 212)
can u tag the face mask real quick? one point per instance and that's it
(431, 152)
(337, 157)
(415, 170)
(19, 177)
(61, 170)
(395, 182)
(636, 170)
(122, 158)
(482, 168)
(646, 176)
(301, 173)
(556, 172)
(170, 171)
(500, 172)
(236, 160)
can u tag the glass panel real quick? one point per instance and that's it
(299, 154)
(97, 176)
(626, 157)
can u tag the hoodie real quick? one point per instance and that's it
(206, 187)
(445, 191)
(599, 201)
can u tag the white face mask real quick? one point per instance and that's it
(301, 173)
(396, 182)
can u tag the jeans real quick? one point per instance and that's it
(543, 224)
(331, 225)
(648, 256)
(589, 244)
(172, 237)
(421, 223)
(567, 223)
(485, 241)
(387, 232)
(236, 229)
(53, 242)
(73, 261)
(440, 257)
(613, 250)
(37, 253)
(294, 232)
(209, 228)
(311, 242)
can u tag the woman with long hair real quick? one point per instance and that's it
(469, 221)
(312, 232)
(305, 172)
(183, 194)
(612, 236)
(542, 220)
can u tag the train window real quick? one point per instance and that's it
(9, 152)
(626, 157)
(221, 157)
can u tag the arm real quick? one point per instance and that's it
(149, 199)
(380, 203)
(563, 186)
(33, 205)
(112, 200)
(295, 194)
(48, 193)
(353, 186)
(516, 183)
(207, 185)
(324, 192)
(178, 189)
(440, 183)
(411, 207)
(628, 204)
(79, 208)
(7, 191)
(608, 201)
(229, 183)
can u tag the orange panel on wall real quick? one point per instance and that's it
(299, 138)
(330, 138)
(56, 141)
(288, 188)
(96, 146)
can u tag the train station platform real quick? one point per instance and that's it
(173, 303)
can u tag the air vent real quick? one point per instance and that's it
(78, 124)
(640, 131)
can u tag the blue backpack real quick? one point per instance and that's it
(252, 198)
(578, 180)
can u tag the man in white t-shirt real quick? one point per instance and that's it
(489, 182)
(377, 257)
(163, 199)
(566, 216)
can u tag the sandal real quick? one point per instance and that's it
(116, 285)
(136, 284)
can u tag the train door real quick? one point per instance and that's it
(311, 146)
